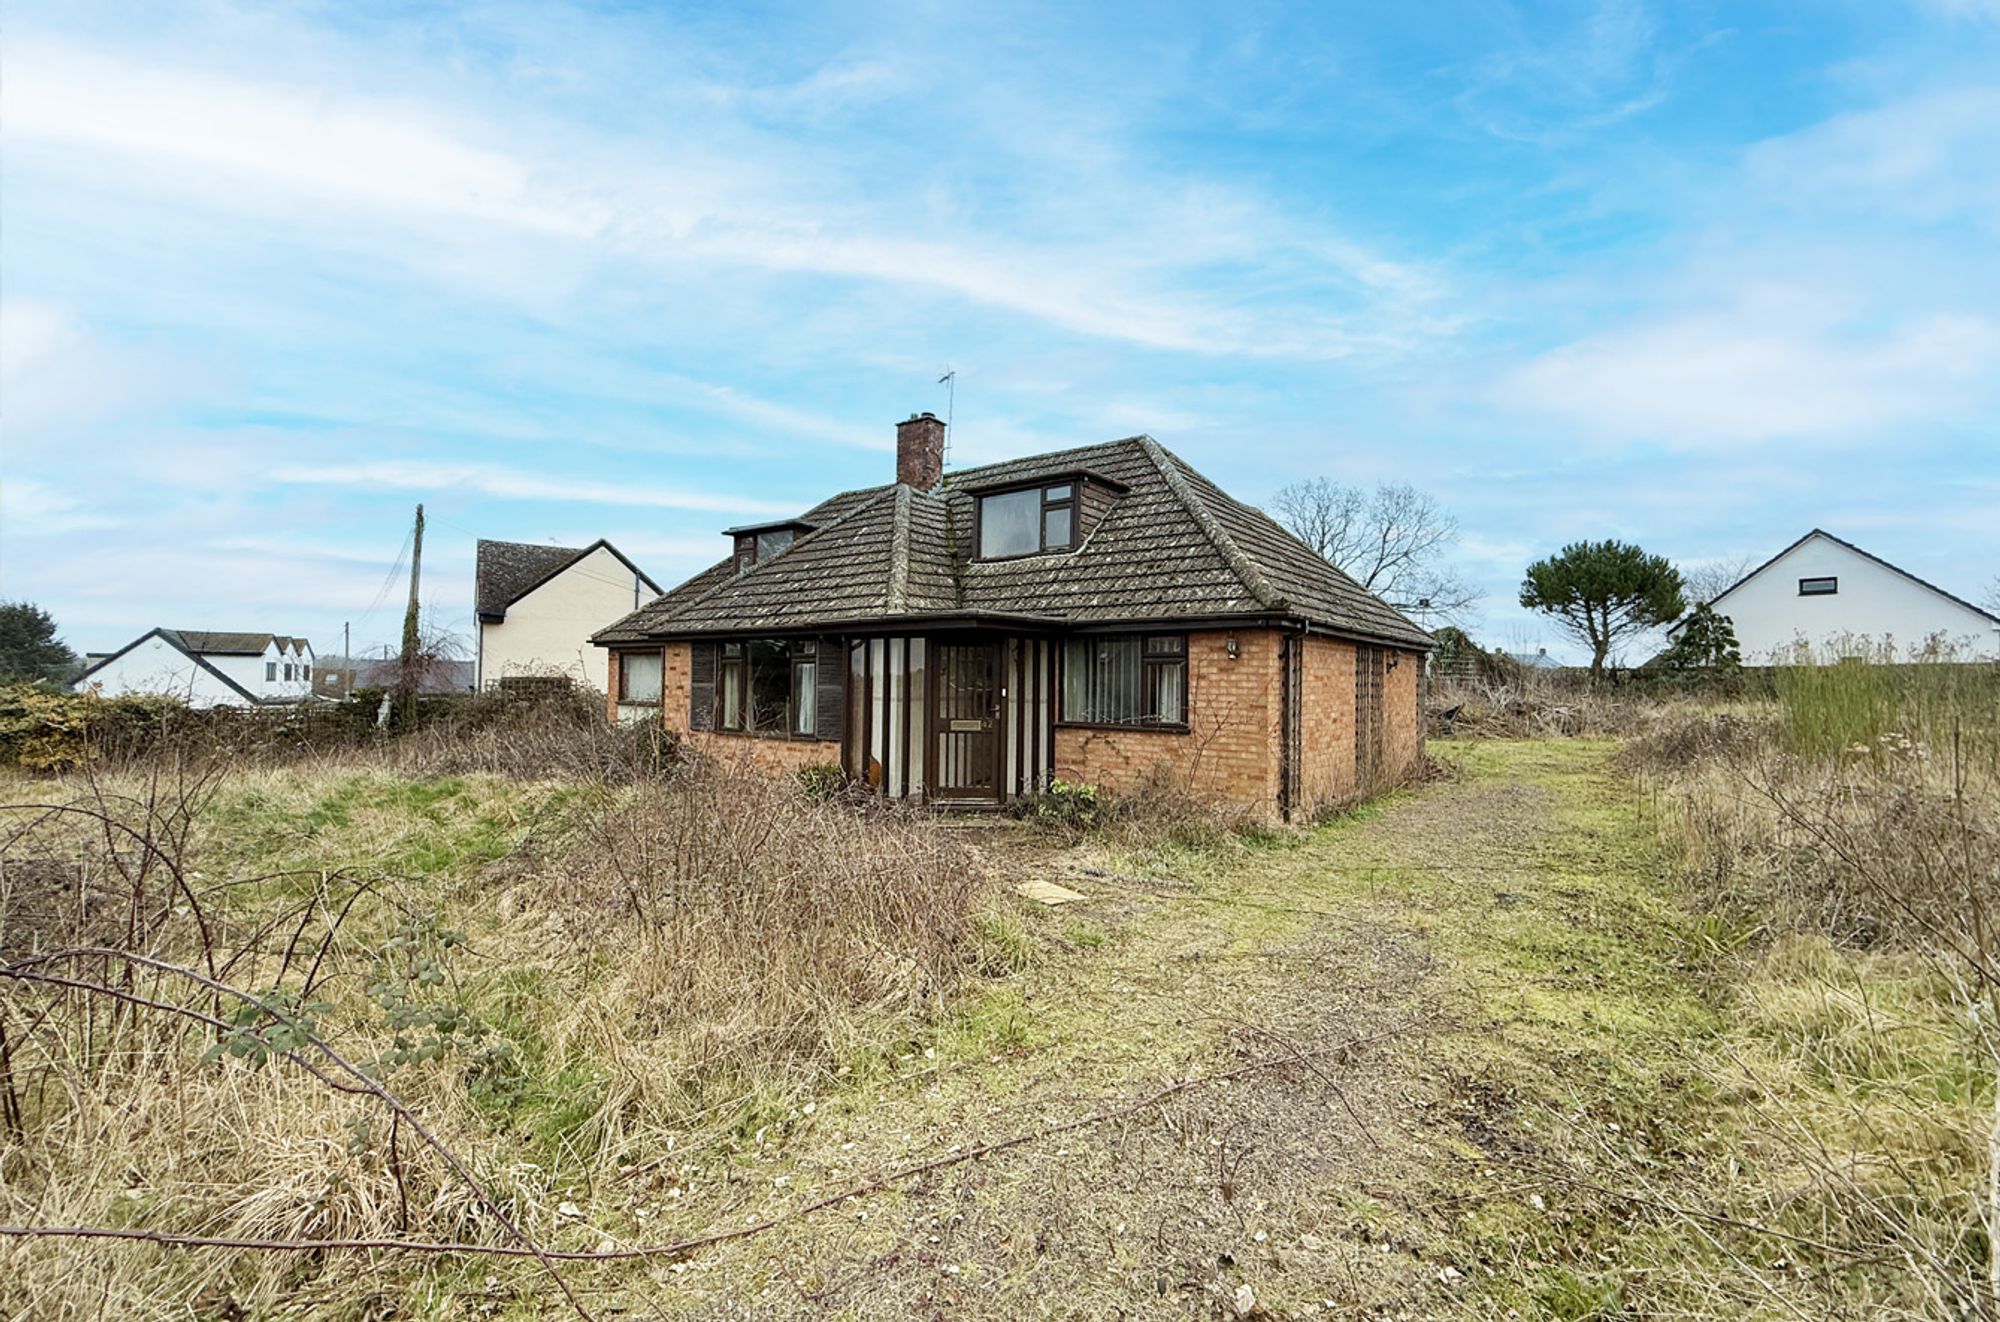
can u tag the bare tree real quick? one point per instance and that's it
(1391, 541)
(1992, 599)
(1705, 582)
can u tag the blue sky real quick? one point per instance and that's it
(1701, 276)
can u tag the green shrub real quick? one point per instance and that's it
(1065, 806)
(822, 780)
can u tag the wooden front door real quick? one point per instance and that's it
(965, 720)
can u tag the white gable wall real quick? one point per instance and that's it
(1874, 602)
(548, 631)
(251, 671)
(156, 666)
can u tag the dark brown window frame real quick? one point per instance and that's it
(1831, 590)
(795, 657)
(1073, 502)
(1150, 660)
(625, 701)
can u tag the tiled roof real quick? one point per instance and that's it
(213, 642)
(1172, 546)
(505, 572)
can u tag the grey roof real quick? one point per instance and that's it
(505, 572)
(1173, 546)
(213, 642)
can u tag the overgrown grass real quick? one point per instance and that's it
(583, 986)
(1842, 850)
(1848, 699)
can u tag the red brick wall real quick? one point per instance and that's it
(1403, 732)
(773, 755)
(676, 678)
(1231, 748)
(1231, 751)
(1326, 735)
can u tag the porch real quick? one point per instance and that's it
(955, 720)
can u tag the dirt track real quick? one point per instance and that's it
(1334, 1182)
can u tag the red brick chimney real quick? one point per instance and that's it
(920, 451)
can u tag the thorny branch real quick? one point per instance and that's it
(682, 1247)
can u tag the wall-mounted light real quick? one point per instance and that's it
(1395, 659)
(1232, 647)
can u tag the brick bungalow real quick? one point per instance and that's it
(1104, 614)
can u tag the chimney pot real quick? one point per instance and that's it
(920, 451)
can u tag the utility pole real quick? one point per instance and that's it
(346, 643)
(406, 686)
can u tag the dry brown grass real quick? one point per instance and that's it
(647, 976)
(1535, 707)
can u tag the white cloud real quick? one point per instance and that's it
(57, 373)
(29, 508)
(364, 152)
(1928, 157)
(1095, 265)
(517, 484)
(1722, 378)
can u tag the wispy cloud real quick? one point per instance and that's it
(1728, 378)
(518, 484)
(217, 138)
(35, 509)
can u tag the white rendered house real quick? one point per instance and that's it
(1834, 597)
(539, 605)
(207, 668)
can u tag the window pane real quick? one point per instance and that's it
(1118, 660)
(732, 695)
(1055, 527)
(1101, 680)
(1164, 681)
(1007, 524)
(770, 686)
(639, 676)
(1058, 493)
(770, 543)
(1166, 645)
(1076, 680)
(804, 707)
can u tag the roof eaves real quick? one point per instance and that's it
(563, 568)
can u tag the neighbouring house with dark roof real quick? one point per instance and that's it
(337, 677)
(207, 668)
(538, 605)
(1104, 615)
(1822, 598)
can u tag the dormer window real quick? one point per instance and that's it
(758, 542)
(1028, 522)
